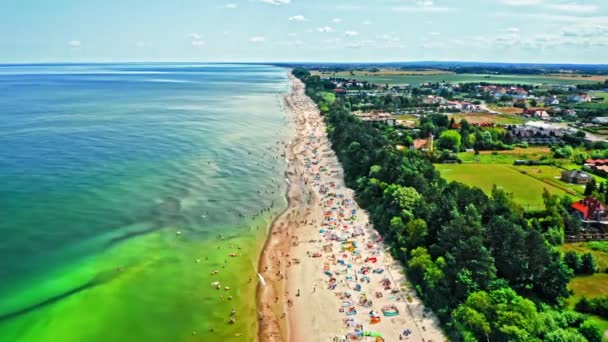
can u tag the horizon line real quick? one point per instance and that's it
(303, 62)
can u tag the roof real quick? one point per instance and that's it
(588, 206)
(420, 143)
(600, 119)
(596, 161)
(575, 174)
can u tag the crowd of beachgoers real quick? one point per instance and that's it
(324, 272)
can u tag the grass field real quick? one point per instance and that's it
(526, 189)
(505, 157)
(477, 118)
(409, 77)
(600, 94)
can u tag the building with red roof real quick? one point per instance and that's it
(590, 209)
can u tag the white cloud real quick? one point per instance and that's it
(74, 43)
(198, 43)
(325, 29)
(140, 44)
(351, 33)
(434, 33)
(585, 31)
(257, 39)
(195, 36)
(574, 7)
(522, 2)
(231, 6)
(512, 30)
(298, 17)
(336, 20)
(292, 34)
(421, 6)
(367, 22)
(276, 2)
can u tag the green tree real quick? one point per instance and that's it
(588, 264)
(416, 232)
(590, 187)
(450, 139)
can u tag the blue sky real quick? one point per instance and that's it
(569, 31)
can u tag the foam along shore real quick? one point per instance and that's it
(327, 274)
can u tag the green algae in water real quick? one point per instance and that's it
(98, 177)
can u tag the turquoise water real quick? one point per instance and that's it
(117, 181)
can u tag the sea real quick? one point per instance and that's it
(135, 198)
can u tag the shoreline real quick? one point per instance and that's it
(271, 304)
(303, 261)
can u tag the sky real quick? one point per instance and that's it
(538, 31)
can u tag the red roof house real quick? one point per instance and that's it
(590, 208)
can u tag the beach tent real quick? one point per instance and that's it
(390, 311)
(372, 334)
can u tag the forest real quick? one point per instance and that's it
(488, 269)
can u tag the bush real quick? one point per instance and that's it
(596, 306)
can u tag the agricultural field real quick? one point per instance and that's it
(527, 190)
(595, 78)
(506, 110)
(412, 78)
(382, 72)
(499, 119)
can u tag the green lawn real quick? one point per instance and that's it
(505, 157)
(459, 78)
(588, 286)
(527, 190)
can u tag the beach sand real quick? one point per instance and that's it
(323, 259)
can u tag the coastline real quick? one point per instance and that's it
(302, 262)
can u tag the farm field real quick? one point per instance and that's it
(526, 190)
(478, 118)
(506, 110)
(407, 77)
(596, 78)
(382, 72)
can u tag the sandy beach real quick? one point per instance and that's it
(326, 273)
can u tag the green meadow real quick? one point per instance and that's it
(527, 189)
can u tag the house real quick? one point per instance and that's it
(423, 144)
(469, 107)
(376, 116)
(541, 114)
(432, 99)
(590, 209)
(452, 105)
(600, 120)
(554, 101)
(576, 177)
(596, 162)
(579, 98)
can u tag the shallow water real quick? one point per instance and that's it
(102, 165)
